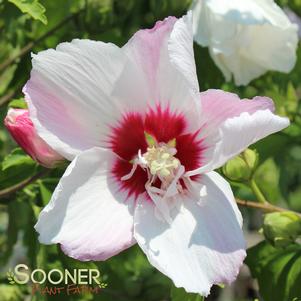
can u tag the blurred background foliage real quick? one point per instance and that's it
(33, 25)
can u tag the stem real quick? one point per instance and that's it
(10, 190)
(259, 195)
(26, 49)
(263, 206)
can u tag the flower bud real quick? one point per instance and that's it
(241, 167)
(22, 130)
(251, 158)
(281, 228)
(236, 169)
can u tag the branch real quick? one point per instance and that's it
(263, 206)
(10, 190)
(255, 205)
(26, 49)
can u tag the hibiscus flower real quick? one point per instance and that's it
(144, 143)
(246, 38)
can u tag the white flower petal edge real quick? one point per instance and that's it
(77, 92)
(86, 215)
(203, 244)
(245, 38)
(69, 94)
(230, 125)
(163, 57)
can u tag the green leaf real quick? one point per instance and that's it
(15, 158)
(278, 271)
(291, 103)
(16, 167)
(11, 293)
(6, 78)
(18, 218)
(32, 7)
(289, 165)
(47, 187)
(267, 178)
(272, 145)
(18, 103)
(179, 294)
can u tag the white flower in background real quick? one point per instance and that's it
(144, 143)
(246, 38)
(294, 18)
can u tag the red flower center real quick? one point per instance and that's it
(128, 138)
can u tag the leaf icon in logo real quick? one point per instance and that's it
(103, 285)
(11, 277)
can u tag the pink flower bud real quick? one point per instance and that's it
(22, 130)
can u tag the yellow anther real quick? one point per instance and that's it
(165, 155)
(161, 160)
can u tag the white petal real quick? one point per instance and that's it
(164, 58)
(69, 94)
(86, 215)
(79, 91)
(203, 245)
(247, 12)
(180, 46)
(231, 125)
(245, 38)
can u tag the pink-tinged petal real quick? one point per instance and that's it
(80, 90)
(230, 125)
(164, 59)
(69, 94)
(218, 106)
(21, 128)
(203, 244)
(87, 214)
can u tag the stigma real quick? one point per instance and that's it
(159, 160)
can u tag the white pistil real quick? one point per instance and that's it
(159, 162)
(130, 174)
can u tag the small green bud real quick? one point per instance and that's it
(241, 167)
(251, 158)
(236, 169)
(281, 228)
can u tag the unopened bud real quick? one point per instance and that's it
(281, 228)
(241, 167)
(251, 158)
(22, 130)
